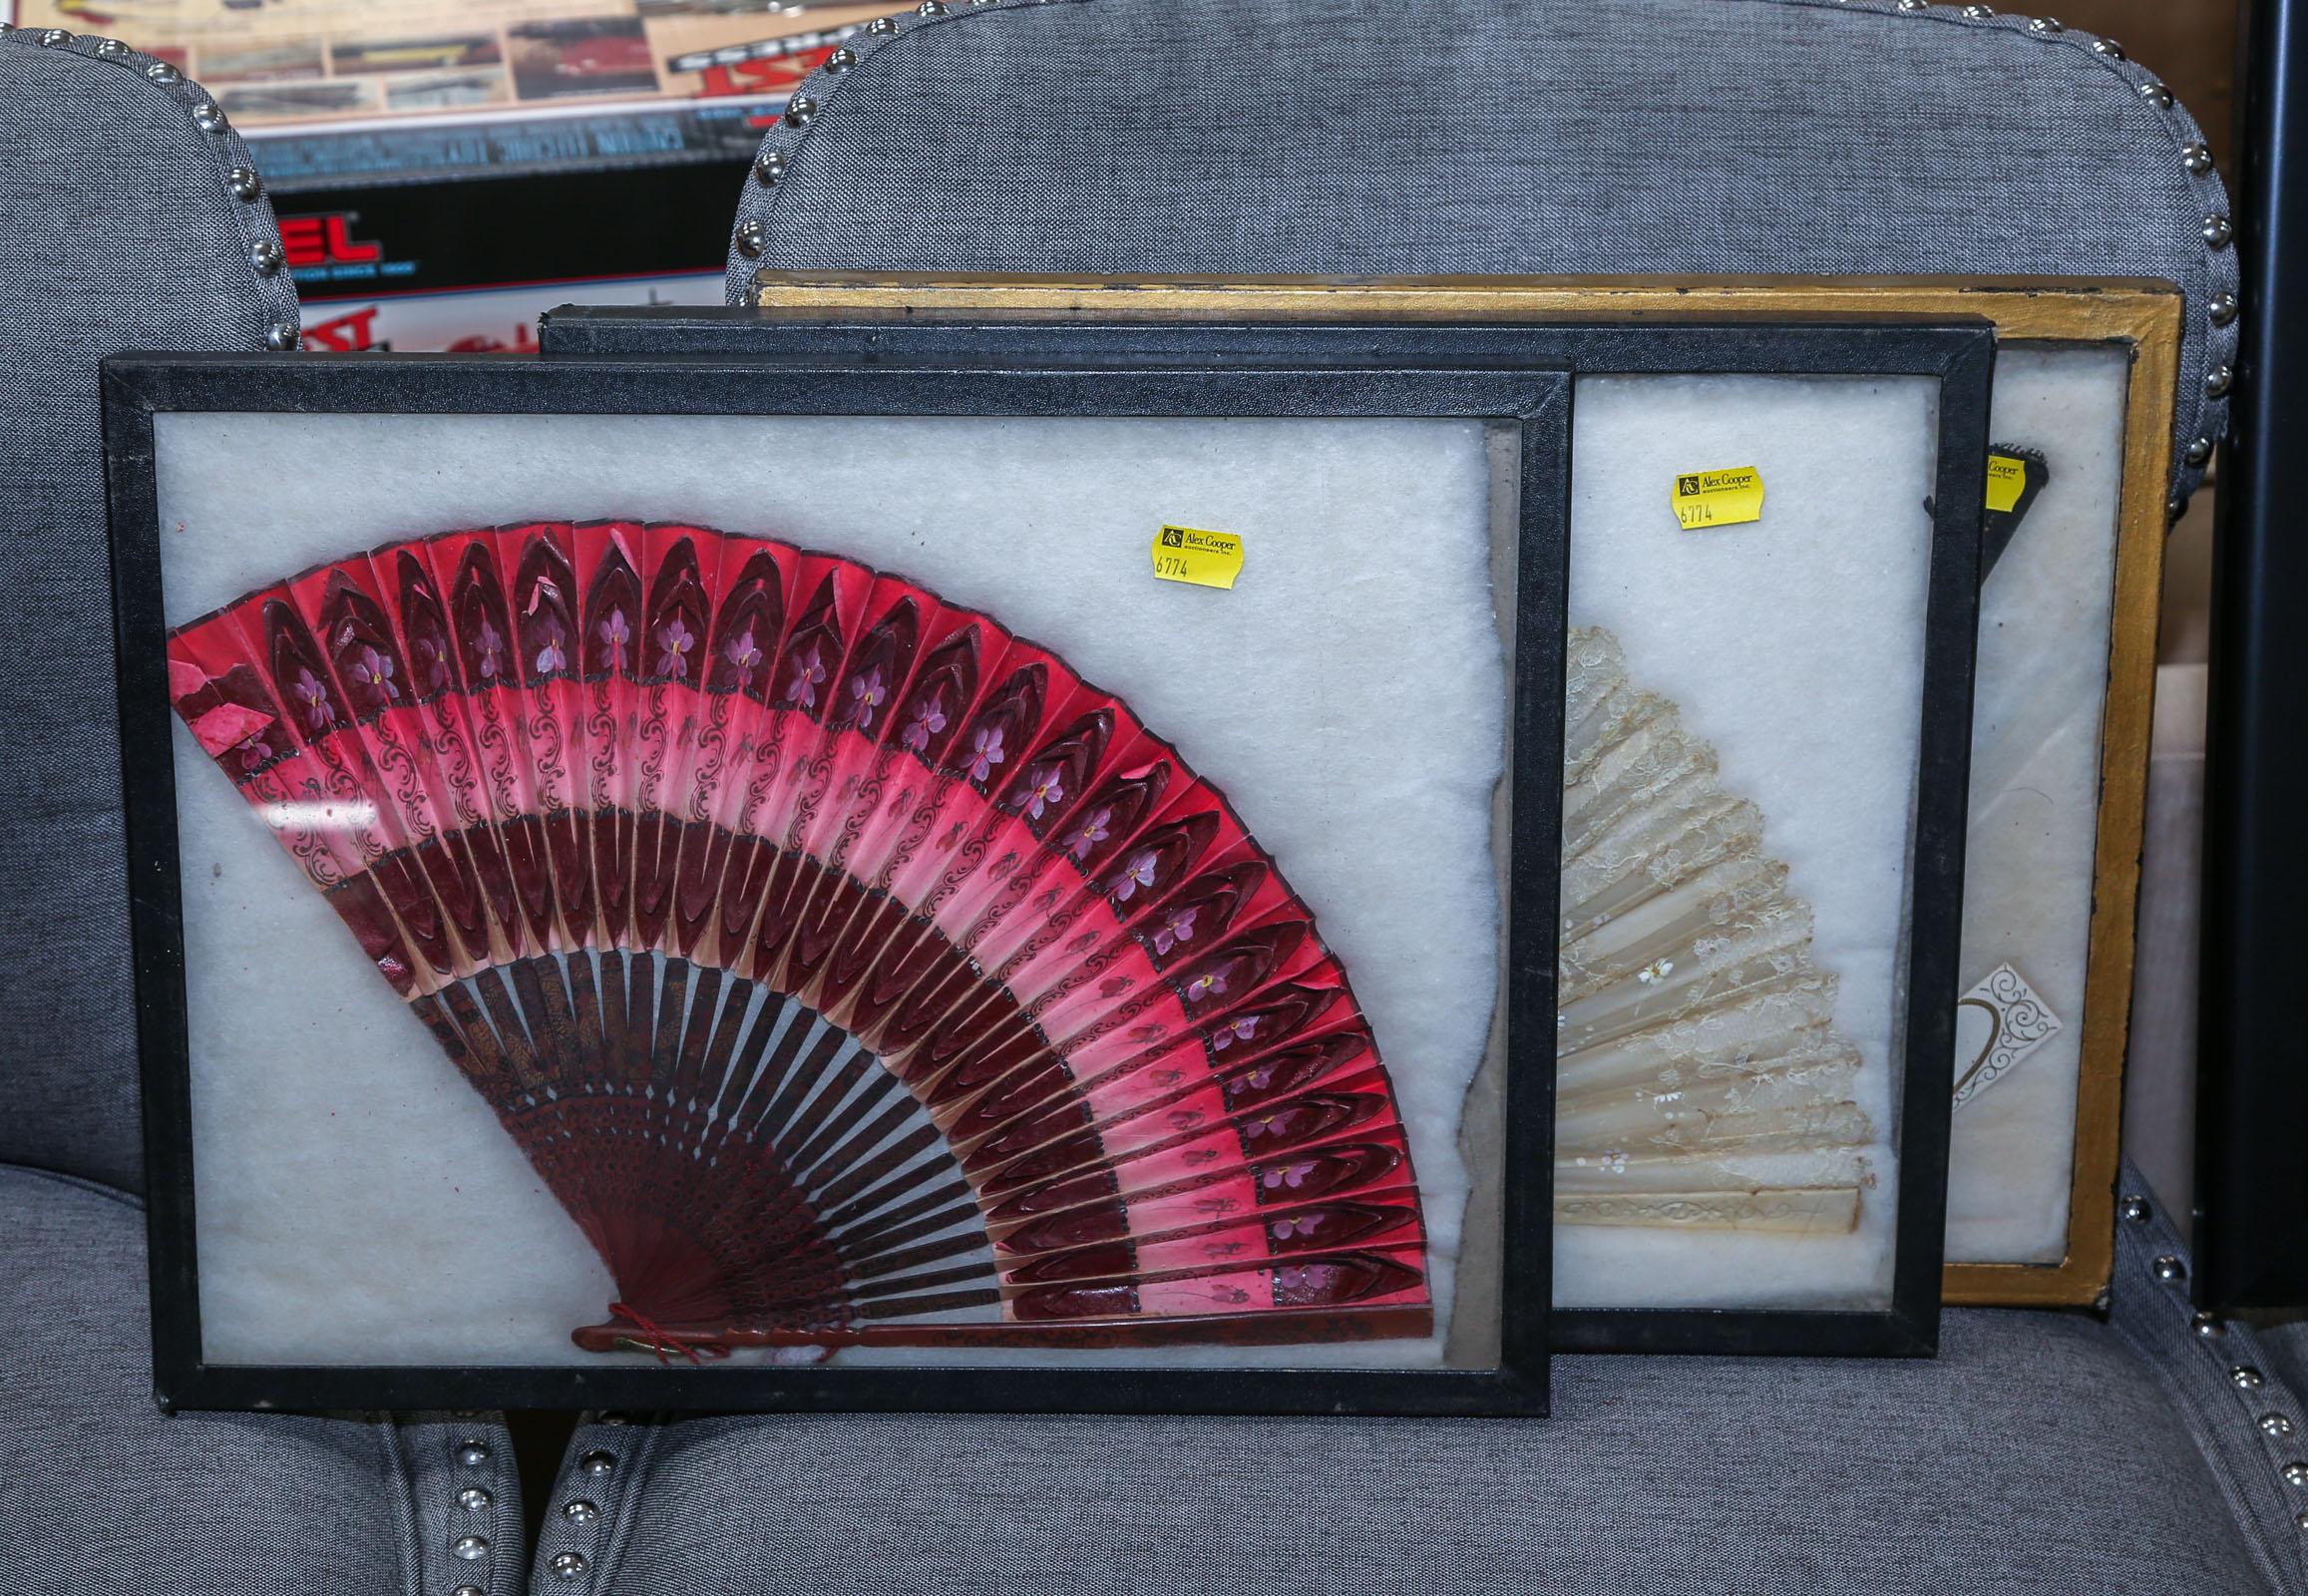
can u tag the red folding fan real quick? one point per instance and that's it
(850, 969)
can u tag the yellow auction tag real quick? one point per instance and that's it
(1719, 498)
(1206, 558)
(2006, 477)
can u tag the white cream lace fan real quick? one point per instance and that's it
(1699, 1079)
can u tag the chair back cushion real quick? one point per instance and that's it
(121, 226)
(1655, 137)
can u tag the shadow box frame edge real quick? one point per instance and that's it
(136, 386)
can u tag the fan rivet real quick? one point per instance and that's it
(933, 8)
(597, 1463)
(2198, 158)
(265, 254)
(2217, 232)
(2046, 25)
(473, 1499)
(841, 59)
(568, 1565)
(113, 50)
(2218, 381)
(207, 118)
(800, 110)
(473, 1454)
(470, 1547)
(283, 336)
(160, 71)
(769, 166)
(243, 183)
(580, 1512)
(2222, 309)
(469, 1590)
(2198, 451)
(1980, 13)
(2108, 48)
(2167, 1267)
(2245, 1377)
(52, 36)
(2207, 1325)
(2136, 1209)
(2275, 1425)
(2156, 94)
(883, 25)
(1913, 5)
(2296, 1473)
(752, 240)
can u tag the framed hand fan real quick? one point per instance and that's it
(980, 882)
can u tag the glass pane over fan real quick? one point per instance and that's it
(359, 1201)
(1738, 830)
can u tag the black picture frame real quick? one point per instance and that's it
(1024, 380)
(2251, 1184)
(1959, 352)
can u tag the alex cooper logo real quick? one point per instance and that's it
(327, 240)
(1686, 487)
(1172, 537)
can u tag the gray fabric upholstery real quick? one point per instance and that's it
(100, 1493)
(2032, 1457)
(1250, 137)
(2232, 1391)
(117, 230)
(2040, 1452)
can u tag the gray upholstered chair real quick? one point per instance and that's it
(2039, 1452)
(127, 219)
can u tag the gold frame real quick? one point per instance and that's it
(2145, 315)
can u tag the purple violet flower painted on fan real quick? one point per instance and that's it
(1228, 1035)
(375, 671)
(551, 658)
(317, 709)
(1177, 931)
(867, 693)
(675, 640)
(252, 751)
(491, 648)
(808, 671)
(1091, 832)
(1302, 1226)
(1137, 872)
(744, 654)
(1211, 982)
(986, 752)
(1291, 1175)
(927, 721)
(1044, 792)
(615, 634)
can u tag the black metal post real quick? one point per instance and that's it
(2252, 1116)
